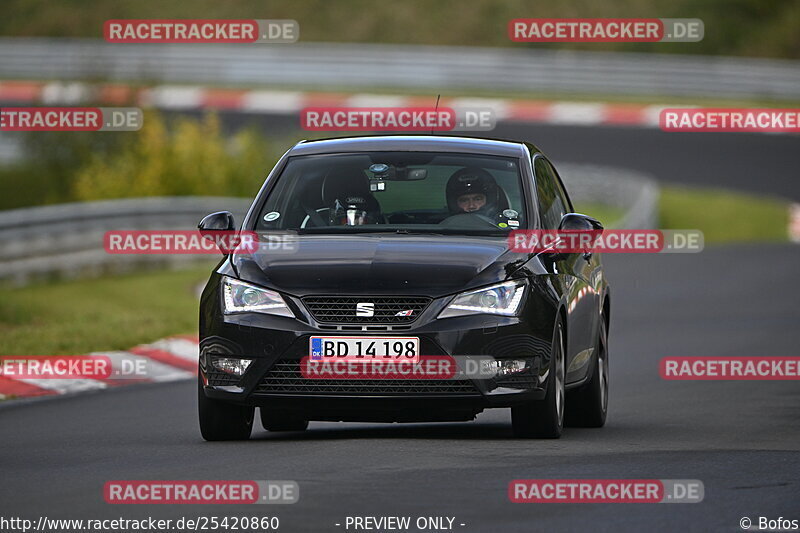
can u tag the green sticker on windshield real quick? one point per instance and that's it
(503, 225)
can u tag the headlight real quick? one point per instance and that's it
(501, 299)
(241, 297)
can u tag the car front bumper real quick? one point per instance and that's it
(277, 344)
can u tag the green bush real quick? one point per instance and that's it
(185, 156)
(47, 173)
(189, 157)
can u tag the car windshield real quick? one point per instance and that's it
(402, 192)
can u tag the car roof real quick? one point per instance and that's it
(413, 143)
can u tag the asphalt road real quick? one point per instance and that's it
(758, 163)
(740, 438)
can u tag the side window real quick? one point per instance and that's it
(562, 193)
(552, 204)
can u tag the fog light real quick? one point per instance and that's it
(230, 365)
(507, 367)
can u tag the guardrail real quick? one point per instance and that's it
(403, 66)
(66, 240)
(636, 194)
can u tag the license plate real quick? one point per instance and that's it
(364, 349)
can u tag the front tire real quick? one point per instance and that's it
(588, 406)
(544, 419)
(222, 420)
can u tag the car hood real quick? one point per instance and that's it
(379, 264)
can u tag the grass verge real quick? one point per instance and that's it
(110, 313)
(608, 215)
(724, 216)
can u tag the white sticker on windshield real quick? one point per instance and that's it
(273, 215)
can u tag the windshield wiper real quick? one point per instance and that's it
(414, 232)
(397, 231)
(355, 230)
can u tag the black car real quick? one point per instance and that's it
(391, 241)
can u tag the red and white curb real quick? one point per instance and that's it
(175, 97)
(170, 359)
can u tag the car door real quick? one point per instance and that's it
(575, 271)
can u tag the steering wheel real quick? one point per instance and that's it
(315, 223)
(326, 210)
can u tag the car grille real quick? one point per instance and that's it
(332, 309)
(522, 381)
(285, 378)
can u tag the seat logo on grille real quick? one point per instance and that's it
(365, 309)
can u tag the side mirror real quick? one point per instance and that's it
(574, 222)
(211, 226)
(578, 222)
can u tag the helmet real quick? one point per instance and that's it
(349, 200)
(473, 180)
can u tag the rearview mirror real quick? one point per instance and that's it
(211, 226)
(399, 172)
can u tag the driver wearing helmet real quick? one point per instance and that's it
(473, 190)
